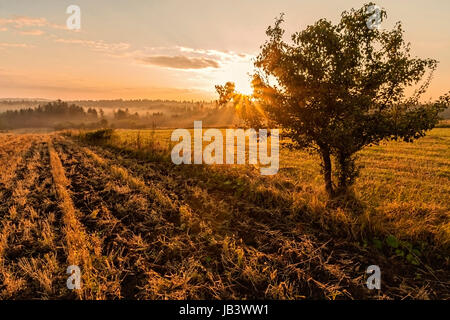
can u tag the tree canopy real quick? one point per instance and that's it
(336, 88)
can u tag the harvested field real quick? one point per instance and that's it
(140, 227)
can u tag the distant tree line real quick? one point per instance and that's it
(125, 115)
(48, 115)
(129, 114)
(145, 104)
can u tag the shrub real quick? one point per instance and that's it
(100, 135)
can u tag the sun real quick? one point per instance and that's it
(243, 87)
(238, 73)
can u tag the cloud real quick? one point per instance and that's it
(180, 62)
(35, 32)
(15, 45)
(97, 45)
(179, 57)
(20, 22)
(217, 54)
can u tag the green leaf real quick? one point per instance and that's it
(392, 241)
(407, 245)
(411, 259)
(377, 244)
(364, 244)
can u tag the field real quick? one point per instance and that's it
(140, 227)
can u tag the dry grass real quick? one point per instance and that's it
(76, 243)
(403, 189)
(142, 228)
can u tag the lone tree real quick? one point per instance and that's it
(245, 106)
(338, 88)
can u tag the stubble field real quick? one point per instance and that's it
(140, 227)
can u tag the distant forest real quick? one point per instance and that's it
(143, 104)
(127, 114)
(131, 114)
(47, 115)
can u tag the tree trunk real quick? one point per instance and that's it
(326, 166)
(345, 166)
(343, 173)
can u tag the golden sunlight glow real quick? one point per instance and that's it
(244, 87)
(132, 64)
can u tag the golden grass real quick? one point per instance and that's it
(404, 188)
(222, 201)
(142, 228)
(12, 152)
(76, 240)
(135, 183)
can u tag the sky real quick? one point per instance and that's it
(175, 49)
